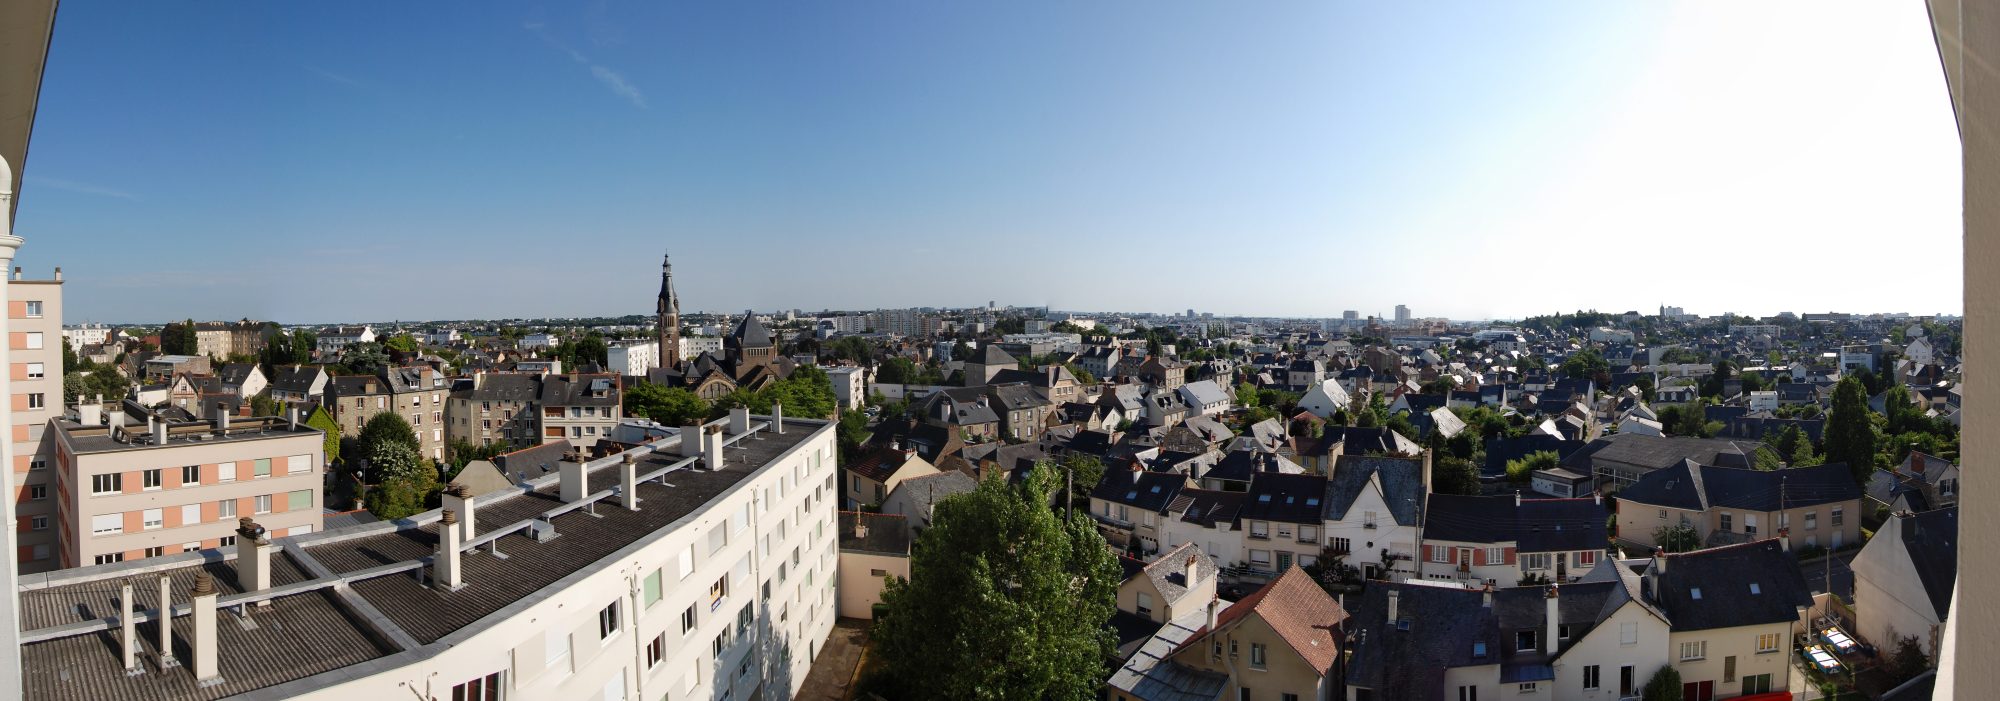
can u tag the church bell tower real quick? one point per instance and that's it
(668, 329)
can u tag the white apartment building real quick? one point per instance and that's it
(850, 385)
(632, 357)
(656, 573)
(35, 369)
(692, 346)
(86, 334)
(334, 338)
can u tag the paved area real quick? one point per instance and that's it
(833, 669)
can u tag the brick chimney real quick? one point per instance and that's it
(458, 498)
(203, 595)
(628, 481)
(444, 570)
(573, 480)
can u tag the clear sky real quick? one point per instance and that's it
(323, 162)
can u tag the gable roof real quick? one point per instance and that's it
(1401, 481)
(1932, 541)
(1534, 525)
(1146, 491)
(1276, 496)
(1207, 507)
(1693, 487)
(990, 354)
(750, 333)
(1656, 452)
(1299, 611)
(925, 491)
(1722, 577)
(1169, 573)
(887, 534)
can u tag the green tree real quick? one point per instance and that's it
(390, 461)
(1088, 470)
(1849, 434)
(1455, 476)
(70, 363)
(261, 405)
(1664, 686)
(303, 343)
(1677, 539)
(386, 427)
(1153, 348)
(1523, 470)
(72, 387)
(1907, 661)
(364, 358)
(402, 342)
(402, 494)
(670, 406)
(461, 451)
(896, 371)
(591, 350)
(1005, 600)
(1246, 394)
(1585, 364)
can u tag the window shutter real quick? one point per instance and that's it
(1427, 553)
(1509, 554)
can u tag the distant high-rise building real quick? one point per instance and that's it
(1190, 313)
(1350, 315)
(1402, 314)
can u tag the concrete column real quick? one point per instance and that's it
(167, 623)
(253, 558)
(128, 637)
(628, 482)
(203, 596)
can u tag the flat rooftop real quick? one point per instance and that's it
(324, 628)
(97, 439)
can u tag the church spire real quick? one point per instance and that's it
(667, 330)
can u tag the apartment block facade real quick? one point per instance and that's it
(128, 489)
(415, 393)
(35, 369)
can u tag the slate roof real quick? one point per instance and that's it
(1699, 487)
(1401, 480)
(1207, 507)
(559, 390)
(504, 387)
(1145, 491)
(1150, 674)
(1932, 541)
(1534, 525)
(1285, 498)
(1357, 440)
(534, 462)
(879, 464)
(888, 534)
(1204, 392)
(1240, 465)
(990, 354)
(1424, 402)
(1656, 452)
(1411, 664)
(1723, 577)
(295, 378)
(750, 333)
(1169, 573)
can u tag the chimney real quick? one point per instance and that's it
(628, 482)
(159, 430)
(58, 274)
(203, 595)
(458, 498)
(1785, 539)
(712, 447)
(691, 441)
(368, 387)
(167, 623)
(222, 417)
(1486, 597)
(1597, 497)
(292, 415)
(778, 418)
(129, 635)
(1212, 607)
(253, 558)
(1550, 644)
(1392, 607)
(739, 421)
(114, 419)
(444, 571)
(1517, 496)
(860, 526)
(17, 273)
(574, 481)
(89, 413)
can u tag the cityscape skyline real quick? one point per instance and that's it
(1486, 145)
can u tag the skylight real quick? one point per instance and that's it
(1754, 589)
(1696, 593)
(1263, 497)
(1130, 495)
(1156, 489)
(1312, 502)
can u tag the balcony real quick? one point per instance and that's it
(1260, 536)
(1369, 525)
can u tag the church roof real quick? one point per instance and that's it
(991, 354)
(750, 333)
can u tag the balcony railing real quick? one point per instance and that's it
(1369, 525)
(1260, 536)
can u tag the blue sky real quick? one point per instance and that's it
(370, 161)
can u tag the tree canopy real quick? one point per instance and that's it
(670, 406)
(1522, 471)
(1849, 433)
(1005, 600)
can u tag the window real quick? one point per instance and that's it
(225, 472)
(687, 620)
(1757, 684)
(36, 401)
(1256, 655)
(651, 589)
(1440, 554)
(226, 541)
(1837, 513)
(1590, 678)
(263, 468)
(154, 551)
(1663, 514)
(1368, 519)
(687, 562)
(1728, 522)
(555, 647)
(107, 484)
(717, 592)
(1535, 561)
(190, 475)
(225, 508)
(39, 523)
(190, 514)
(38, 492)
(107, 524)
(42, 552)
(1768, 642)
(109, 558)
(720, 644)
(1342, 545)
(1628, 634)
(656, 651)
(744, 617)
(152, 518)
(607, 621)
(485, 688)
(38, 463)
(1729, 669)
(1468, 693)
(1694, 650)
(263, 505)
(1812, 520)
(1479, 649)
(34, 309)
(1562, 632)
(34, 340)
(1524, 639)
(301, 499)
(149, 479)
(1145, 607)
(1750, 524)
(35, 371)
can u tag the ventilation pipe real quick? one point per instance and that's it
(444, 570)
(778, 418)
(222, 418)
(574, 481)
(458, 498)
(628, 482)
(203, 596)
(1212, 610)
(711, 440)
(292, 415)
